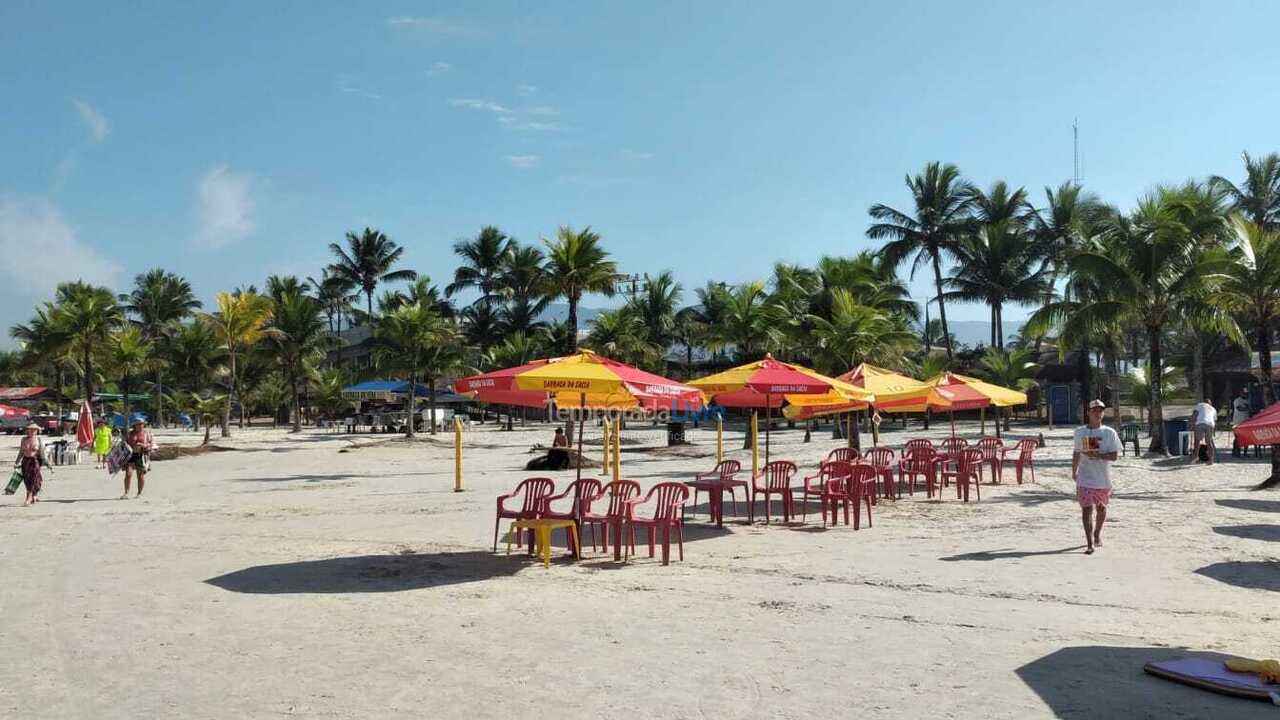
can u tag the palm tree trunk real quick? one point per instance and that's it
(409, 402)
(993, 325)
(368, 296)
(1000, 325)
(431, 402)
(942, 307)
(1197, 365)
(88, 374)
(1155, 378)
(226, 410)
(572, 323)
(297, 410)
(1086, 378)
(1264, 361)
(159, 418)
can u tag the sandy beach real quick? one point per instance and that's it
(322, 575)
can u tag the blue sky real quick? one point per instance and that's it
(230, 141)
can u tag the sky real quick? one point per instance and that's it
(229, 141)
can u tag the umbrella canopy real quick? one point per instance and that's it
(84, 424)
(1261, 429)
(11, 411)
(969, 393)
(583, 379)
(768, 382)
(893, 393)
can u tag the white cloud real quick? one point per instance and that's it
(426, 24)
(92, 119)
(439, 68)
(224, 207)
(516, 124)
(526, 89)
(523, 162)
(52, 252)
(348, 84)
(479, 104)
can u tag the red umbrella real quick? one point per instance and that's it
(84, 425)
(1261, 429)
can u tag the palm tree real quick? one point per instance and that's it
(482, 325)
(129, 353)
(1258, 199)
(206, 410)
(997, 265)
(158, 301)
(857, 333)
(194, 353)
(417, 340)
(747, 323)
(1014, 369)
(1149, 268)
(524, 285)
(328, 398)
(576, 265)
(621, 335)
(298, 336)
(366, 261)
(942, 204)
(45, 347)
(280, 285)
(1251, 287)
(655, 308)
(85, 315)
(484, 261)
(239, 323)
(333, 293)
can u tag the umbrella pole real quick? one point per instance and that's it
(999, 417)
(768, 421)
(952, 415)
(582, 411)
(982, 417)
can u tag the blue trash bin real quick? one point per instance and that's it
(1172, 428)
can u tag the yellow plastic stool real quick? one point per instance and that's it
(542, 528)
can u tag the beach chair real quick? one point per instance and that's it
(723, 474)
(534, 491)
(777, 481)
(843, 454)
(583, 491)
(968, 468)
(667, 498)
(882, 459)
(918, 461)
(857, 488)
(1129, 433)
(917, 443)
(815, 486)
(991, 455)
(618, 493)
(1023, 454)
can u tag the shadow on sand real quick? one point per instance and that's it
(1009, 554)
(1251, 574)
(1098, 681)
(1254, 505)
(369, 573)
(1270, 533)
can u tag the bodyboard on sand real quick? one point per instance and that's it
(1210, 674)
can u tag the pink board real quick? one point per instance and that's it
(1211, 674)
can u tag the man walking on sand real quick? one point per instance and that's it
(1096, 447)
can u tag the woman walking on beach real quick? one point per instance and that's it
(101, 443)
(1096, 447)
(30, 459)
(140, 445)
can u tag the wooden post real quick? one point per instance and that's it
(617, 450)
(457, 454)
(755, 446)
(982, 416)
(606, 442)
(719, 439)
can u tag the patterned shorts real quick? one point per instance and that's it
(1088, 497)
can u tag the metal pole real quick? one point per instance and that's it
(719, 439)
(582, 412)
(457, 454)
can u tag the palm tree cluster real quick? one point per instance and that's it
(1192, 266)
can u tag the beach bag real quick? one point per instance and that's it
(14, 481)
(118, 457)
(1202, 453)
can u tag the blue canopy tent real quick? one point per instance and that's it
(117, 420)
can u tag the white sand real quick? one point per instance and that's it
(288, 579)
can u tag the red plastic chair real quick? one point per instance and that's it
(723, 473)
(856, 488)
(913, 445)
(968, 468)
(583, 492)
(534, 490)
(1025, 451)
(815, 486)
(991, 455)
(917, 462)
(949, 454)
(618, 493)
(667, 498)
(881, 458)
(843, 454)
(777, 481)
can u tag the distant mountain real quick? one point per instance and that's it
(558, 312)
(978, 332)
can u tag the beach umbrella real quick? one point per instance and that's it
(1261, 429)
(584, 380)
(12, 411)
(84, 424)
(968, 393)
(768, 383)
(893, 392)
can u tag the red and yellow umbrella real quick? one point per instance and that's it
(968, 393)
(768, 383)
(893, 393)
(583, 380)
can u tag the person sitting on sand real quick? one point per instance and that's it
(140, 444)
(558, 456)
(1096, 447)
(1203, 418)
